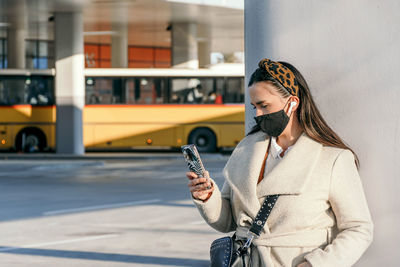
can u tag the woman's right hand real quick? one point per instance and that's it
(198, 185)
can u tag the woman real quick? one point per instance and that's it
(321, 217)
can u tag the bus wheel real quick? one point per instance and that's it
(204, 139)
(31, 140)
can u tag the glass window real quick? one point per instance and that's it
(162, 90)
(234, 90)
(104, 90)
(220, 90)
(97, 55)
(12, 91)
(99, 91)
(3, 53)
(192, 90)
(39, 91)
(30, 54)
(39, 54)
(34, 90)
(40, 63)
(145, 90)
(149, 57)
(43, 49)
(50, 52)
(125, 90)
(31, 47)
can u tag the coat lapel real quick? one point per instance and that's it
(243, 168)
(290, 176)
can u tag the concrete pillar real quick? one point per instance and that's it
(16, 35)
(257, 46)
(348, 51)
(204, 54)
(16, 48)
(204, 45)
(69, 82)
(119, 46)
(184, 45)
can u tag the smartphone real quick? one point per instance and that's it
(193, 160)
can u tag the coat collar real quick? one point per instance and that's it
(289, 176)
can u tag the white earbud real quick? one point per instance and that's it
(292, 104)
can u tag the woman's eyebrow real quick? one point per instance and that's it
(260, 102)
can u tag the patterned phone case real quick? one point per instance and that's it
(193, 160)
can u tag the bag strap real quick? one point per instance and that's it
(258, 224)
(263, 213)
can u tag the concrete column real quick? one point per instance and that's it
(16, 35)
(69, 82)
(16, 48)
(119, 46)
(204, 45)
(348, 52)
(257, 46)
(184, 45)
(204, 54)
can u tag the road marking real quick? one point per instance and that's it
(38, 245)
(116, 205)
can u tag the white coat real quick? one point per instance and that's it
(321, 214)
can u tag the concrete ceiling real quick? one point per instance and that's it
(147, 20)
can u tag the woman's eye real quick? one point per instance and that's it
(265, 106)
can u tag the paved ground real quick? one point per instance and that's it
(133, 211)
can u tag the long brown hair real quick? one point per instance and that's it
(308, 115)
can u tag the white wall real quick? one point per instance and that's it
(348, 51)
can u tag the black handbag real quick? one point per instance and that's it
(222, 250)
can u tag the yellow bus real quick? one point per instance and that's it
(127, 109)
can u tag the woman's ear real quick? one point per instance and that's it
(294, 103)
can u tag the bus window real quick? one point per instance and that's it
(40, 90)
(12, 90)
(161, 90)
(219, 90)
(192, 90)
(234, 90)
(143, 91)
(117, 91)
(98, 91)
(34, 90)
(104, 91)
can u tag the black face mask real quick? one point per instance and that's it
(273, 124)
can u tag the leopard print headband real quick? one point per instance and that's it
(282, 74)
